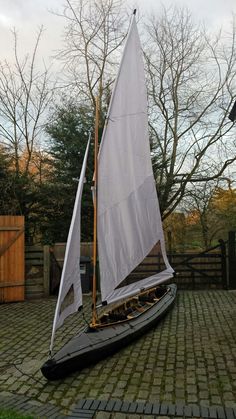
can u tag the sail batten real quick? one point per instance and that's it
(129, 221)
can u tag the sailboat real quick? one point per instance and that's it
(127, 225)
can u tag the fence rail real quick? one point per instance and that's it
(193, 270)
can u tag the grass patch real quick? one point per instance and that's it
(11, 414)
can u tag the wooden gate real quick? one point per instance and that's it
(232, 259)
(206, 269)
(12, 265)
(202, 270)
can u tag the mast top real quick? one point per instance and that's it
(134, 12)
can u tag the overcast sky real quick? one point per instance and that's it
(27, 15)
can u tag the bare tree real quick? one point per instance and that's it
(93, 35)
(191, 77)
(199, 203)
(24, 97)
(191, 86)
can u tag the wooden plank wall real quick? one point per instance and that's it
(37, 265)
(201, 270)
(232, 259)
(194, 270)
(12, 259)
(59, 251)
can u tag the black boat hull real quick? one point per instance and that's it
(92, 345)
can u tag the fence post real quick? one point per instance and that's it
(223, 264)
(46, 270)
(232, 260)
(169, 241)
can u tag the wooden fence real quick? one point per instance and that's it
(207, 269)
(232, 260)
(37, 269)
(43, 267)
(12, 267)
(192, 270)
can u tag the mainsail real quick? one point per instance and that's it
(70, 292)
(129, 221)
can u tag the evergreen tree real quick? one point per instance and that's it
(69, 130)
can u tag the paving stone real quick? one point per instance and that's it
(216, 400)
(229, 413)
(65, 402)
(220, 413)
(213, 412)
(132, 407)
(117, 406)
(103, 404)
(140, 408)
(196, 411)
(46, 409)
(192, 398)
(188, 411)
(81, 415)
(125, 407)
(81, 403)
(95, 404)
(87, 404)
(204, 412)
(164, 409)
(171, 409)
(110, 405)
(179, 409)
(148, 408)
(156, 408)
(103, 415)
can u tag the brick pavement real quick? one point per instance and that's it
(189, 359)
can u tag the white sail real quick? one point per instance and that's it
(129, 221)
(70, 292)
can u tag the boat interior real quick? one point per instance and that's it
(131, 307)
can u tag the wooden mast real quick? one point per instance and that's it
(94, 292)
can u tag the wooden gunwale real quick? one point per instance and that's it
(145, 308)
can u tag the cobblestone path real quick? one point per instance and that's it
(189, 358)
